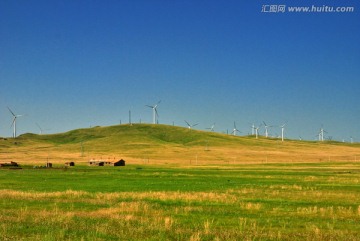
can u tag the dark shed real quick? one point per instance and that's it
(119, 163)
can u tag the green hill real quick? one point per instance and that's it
(143, 143)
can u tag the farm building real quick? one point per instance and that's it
(9, 164)
(96, 163)
(70, 164)
(119, 163)
(106, 163)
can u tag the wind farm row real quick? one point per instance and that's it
(263, 129)
(235, 131)
(255, 129)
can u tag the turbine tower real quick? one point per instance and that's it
(14, 121)
(321, 134)
(256, 129)
(266, 129)
(155, 113)
(282, 131)
(253, 129)
(190, 126)
(130, 118)
(234, 130)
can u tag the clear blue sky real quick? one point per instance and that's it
(75, 64)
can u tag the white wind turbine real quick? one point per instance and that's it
(257, 131)
(211, 128)
(190, 126)
(41, 130)
(155, 113)
(266, 129)
(318, 136)
(14, 121)
(321, 134)
(253, 129)
(235, 130)
(282, 131)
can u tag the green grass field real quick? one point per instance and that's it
(178, 184)
(234, 202)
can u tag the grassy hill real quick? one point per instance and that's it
(146, 143)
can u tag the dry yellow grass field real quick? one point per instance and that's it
(161, 144)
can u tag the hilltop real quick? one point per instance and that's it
(147, 143)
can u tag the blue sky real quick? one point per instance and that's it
(76, 64)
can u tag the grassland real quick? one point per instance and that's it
(251, 202)
(178, 185)
(161, 144)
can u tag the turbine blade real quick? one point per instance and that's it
(157, 104)
(13, 122)
(38, 126)
(11, 111)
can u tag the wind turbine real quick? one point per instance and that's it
(266, 129)
(155, 113)
(282, 131)
(321, 134)
(253, 129)
(190, 126)
(234, 130)
(41, 130)
(14, 121)
(257, 131)
(211, 128)
(130, 118)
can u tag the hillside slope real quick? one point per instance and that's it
(144, 143)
